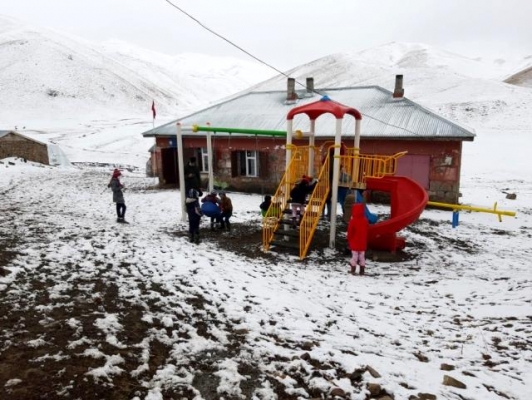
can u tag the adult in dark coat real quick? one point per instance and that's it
(192, 175)
(194, 215)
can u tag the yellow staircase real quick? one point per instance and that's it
(357, 168)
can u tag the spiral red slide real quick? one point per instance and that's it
(407, 200)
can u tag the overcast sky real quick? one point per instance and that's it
(287, 33)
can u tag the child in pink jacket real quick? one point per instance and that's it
(357, 237)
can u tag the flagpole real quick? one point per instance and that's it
(153, 113)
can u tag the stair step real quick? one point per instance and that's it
(287, 232)
(284, 243)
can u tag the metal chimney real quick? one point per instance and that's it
(291, 90)
(399, 91)
(310, 85)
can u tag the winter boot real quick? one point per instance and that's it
(197, 239)
(120, 219)
(353, 269)
(362, 270)
(191, 237)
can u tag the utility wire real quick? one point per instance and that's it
(268, 65)
(224, 38)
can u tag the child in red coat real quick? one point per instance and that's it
(357, 237)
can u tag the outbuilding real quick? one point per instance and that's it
(14, 144)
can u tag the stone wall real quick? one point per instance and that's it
(13, 145)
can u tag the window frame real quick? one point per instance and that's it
(204, 160)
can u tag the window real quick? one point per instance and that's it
(204, 160)
(248, 163)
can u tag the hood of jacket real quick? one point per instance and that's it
(357, 211)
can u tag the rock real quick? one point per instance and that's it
(356, 375)
(446, 367)
(511, 196)
(337, 392)
(385, 397)
(373, 372)
(426, 396)
(305, 356)
(307, 345)
(374, 388)
(421, 357)
(450, 381)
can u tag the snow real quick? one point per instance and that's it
(140, 302)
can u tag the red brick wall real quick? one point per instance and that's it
(445, 160)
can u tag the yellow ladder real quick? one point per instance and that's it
(356, 166)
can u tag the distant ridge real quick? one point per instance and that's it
(48, 74)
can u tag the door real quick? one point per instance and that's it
(415, 167)
(169, 158)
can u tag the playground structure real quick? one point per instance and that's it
(373, 172)
(303, 160)
(457, 207)
(364, 171)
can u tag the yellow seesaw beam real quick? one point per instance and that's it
(456, 207)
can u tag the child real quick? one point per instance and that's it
(211, 207)
(194, 215)
(357, 237)
(227, 211)
(298, 198)
(118, 196)
(265, 205)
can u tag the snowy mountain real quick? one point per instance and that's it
(522, 76)
(94, 99)
(51, 75)
(452, 85)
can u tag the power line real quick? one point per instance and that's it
(266, 64)
(224, 38)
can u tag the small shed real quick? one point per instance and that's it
(15, 144)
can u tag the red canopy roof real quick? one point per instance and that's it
(322, 106)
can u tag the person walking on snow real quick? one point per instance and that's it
(194, 215)
(118, 195)
(357, 237)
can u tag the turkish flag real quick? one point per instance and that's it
(153, 109)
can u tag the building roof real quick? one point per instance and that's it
(5, 133)
(382, 116)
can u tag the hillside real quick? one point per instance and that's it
(522, 76)
(463, 89)
(94, 99)
(51, 75)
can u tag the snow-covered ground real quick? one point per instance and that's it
(91, 306)
(92, 309)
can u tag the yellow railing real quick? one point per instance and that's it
(361, 166)
(297, 167)
(314, 209)
(355, 166)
